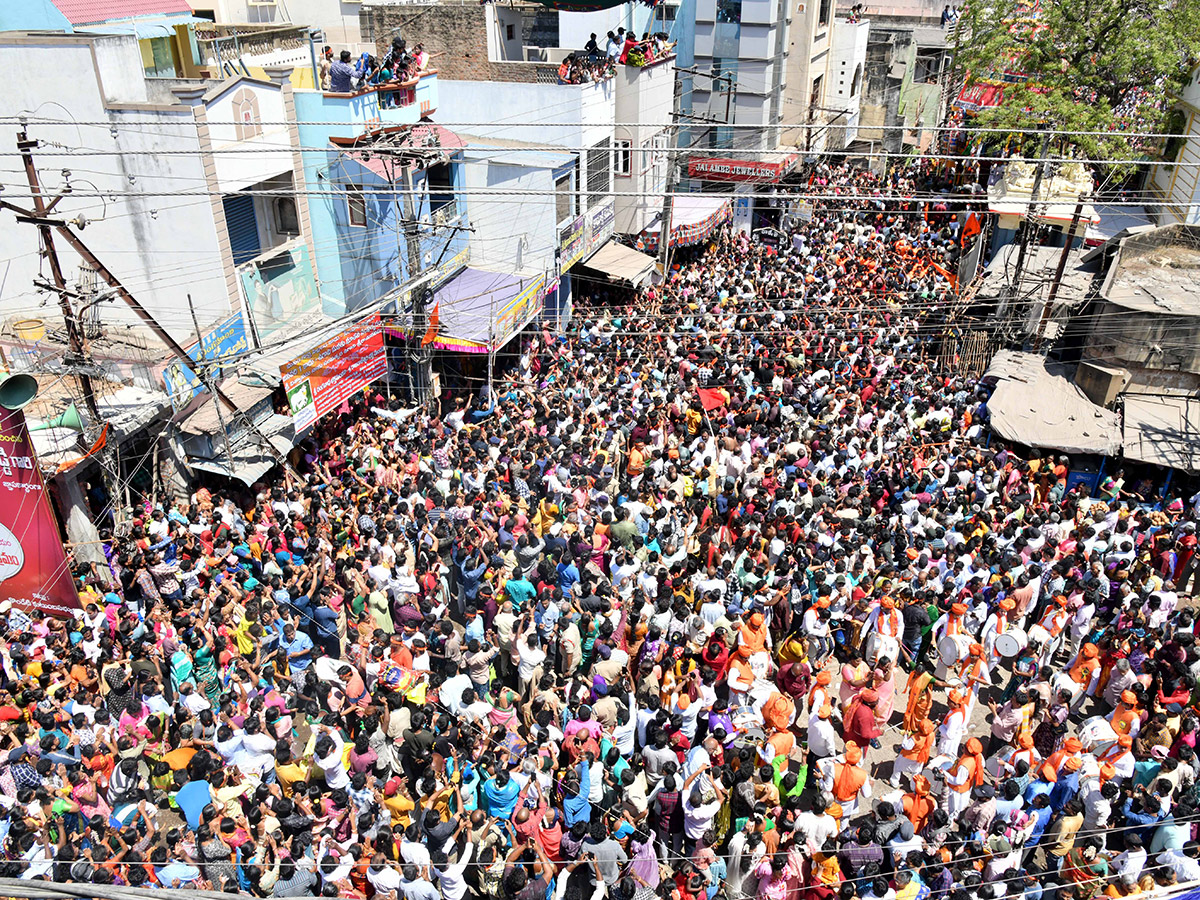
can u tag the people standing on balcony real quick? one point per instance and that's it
(420, 59)
(326, 64)
(341, 73)
(615, 43)
(591, 48)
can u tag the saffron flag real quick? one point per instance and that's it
(431, 332)
(971, 227)
(92, 451)
(711, 398)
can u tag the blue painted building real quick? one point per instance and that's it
(372, 163)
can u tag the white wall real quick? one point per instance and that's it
(161, 247)
(516, 233)
(337, 18)
(565, 115)
(241, 163)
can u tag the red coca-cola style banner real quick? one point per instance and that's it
(34, 571)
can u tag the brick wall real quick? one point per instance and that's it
(455, 36)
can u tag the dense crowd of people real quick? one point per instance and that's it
(722, 593)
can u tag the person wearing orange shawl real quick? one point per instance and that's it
(819, 695)
(954, 725)
(918, 805)
(1120, 758)
(1054, 620)
(963, 777)
(753, 634)
(1071, 746)
(847, 781)
(1081, 676)
(975, 674)
(951, 623)
(996, 624)
(1125, 718)
(914, 750)
(920, 698)
(1024, 753)
(883, 629)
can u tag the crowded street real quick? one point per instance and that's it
(727, 590)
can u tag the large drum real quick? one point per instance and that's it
(1040, 636)
(953, 648)
(1011, 643)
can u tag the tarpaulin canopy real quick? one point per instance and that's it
(693, 218)
(252, 461)
(621, 263)
(1039, 408)
(1164, 431)
(481, 310)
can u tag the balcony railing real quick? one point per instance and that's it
(392, 94)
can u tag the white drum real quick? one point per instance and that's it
(1011, 643)
(953, 648)
(1040, 635)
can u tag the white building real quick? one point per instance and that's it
(336, 20)
(1177, 180)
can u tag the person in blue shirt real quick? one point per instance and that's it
(298, 647)
(576, 785)
(1067, 785)
(499, 795)
(325, 629)
(520, 591)
(1041, 813)
(568, 573)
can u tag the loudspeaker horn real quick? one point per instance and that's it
(70, 418)
(17, 390)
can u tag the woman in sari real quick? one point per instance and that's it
(884, 682)
(856, 675)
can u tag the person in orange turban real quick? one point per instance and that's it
(819, 693)
(966, 774)
(846, 780)
(918, 805)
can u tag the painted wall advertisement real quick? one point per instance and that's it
(583, 237)
(226, 339)
(319, 381)
(279, 289)
(34, 571)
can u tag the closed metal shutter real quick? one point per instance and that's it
(242, 227)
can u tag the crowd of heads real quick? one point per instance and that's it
(723, 591)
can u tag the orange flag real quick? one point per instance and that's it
(92, 451)
(431, 332)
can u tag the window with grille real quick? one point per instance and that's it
(599, 179)
(564, 203)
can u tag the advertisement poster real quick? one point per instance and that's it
(280, 289)
(34, 572)
(226, 339)
(320, 380)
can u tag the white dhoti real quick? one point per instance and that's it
(956, 803)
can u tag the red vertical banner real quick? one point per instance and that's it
(34, 570)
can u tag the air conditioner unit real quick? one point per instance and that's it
(1102, 384)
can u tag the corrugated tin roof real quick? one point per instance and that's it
(91, 12)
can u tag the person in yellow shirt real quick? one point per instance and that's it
(398, 803)
(288, 770)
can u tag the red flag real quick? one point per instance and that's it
(711, 398)
(971, 227)
(431, 332)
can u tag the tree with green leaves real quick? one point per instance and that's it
(1081, 66)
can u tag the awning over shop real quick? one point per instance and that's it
(127, 412)
(1040, 408)
(481, 310)
(251, 461)
(205, 419)
(1164, 431)
(693, 218)
(621, 263)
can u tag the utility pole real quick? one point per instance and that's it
(75, 336)
(422, 357)
(1030, 224)
(216, 405)
(76, 339)
(1068, 241)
